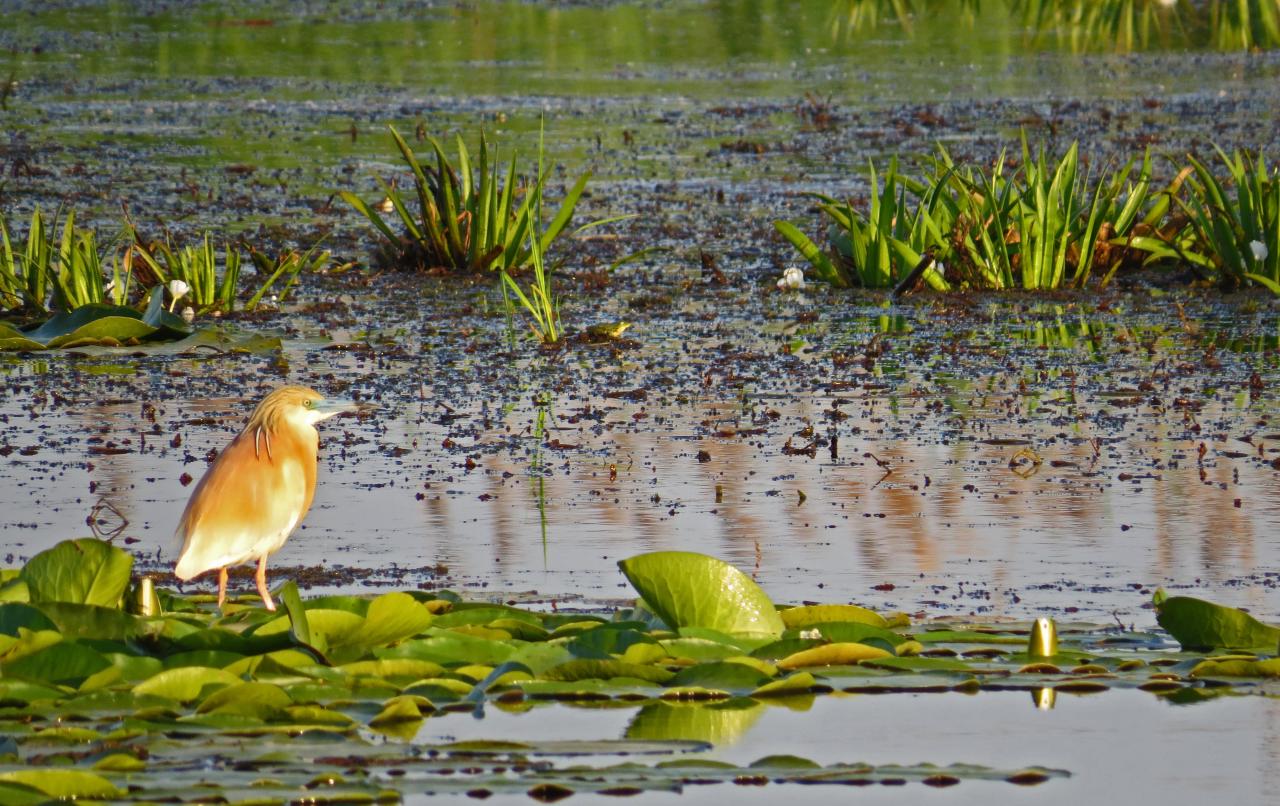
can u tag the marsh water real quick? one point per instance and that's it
(993, 456)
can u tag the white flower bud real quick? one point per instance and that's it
(1259, 250)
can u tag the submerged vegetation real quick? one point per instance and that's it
(116, 689)
(1048, 224)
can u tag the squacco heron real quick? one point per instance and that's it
(257, 491)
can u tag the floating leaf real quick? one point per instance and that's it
(15, 614)
(84, 571)
(260, 700)
(798, 683)
(186, 683)
(1237, 668)
(722, 675)
(393, 617)
(1201, 625)
(64, 784)
(800, 617)
(687, 589)
(94, 621)
(576, 670)
(65, 662)
(833, 655)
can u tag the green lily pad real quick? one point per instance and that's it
(186, 683)
(575, 670)
(1201, 625)
(65, 662)
(15, 615)
(1237, 668)
(721, 675)
(800, 617)
(84, 571)
(63, 784)
(687, 589)
(258, 700)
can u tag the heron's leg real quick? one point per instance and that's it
(222, 587)
(261, 577)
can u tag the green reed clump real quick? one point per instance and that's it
(47, 273)
(196, 266)
(466, 220)
(1045, 224)
(1236, 237)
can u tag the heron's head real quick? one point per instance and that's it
(297, 406)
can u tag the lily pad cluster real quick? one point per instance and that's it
(99, 324)
(113, 689)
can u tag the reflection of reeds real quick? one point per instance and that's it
(1089, 25)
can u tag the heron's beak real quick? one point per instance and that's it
(335, 405)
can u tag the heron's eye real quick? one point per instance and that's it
(308, 403)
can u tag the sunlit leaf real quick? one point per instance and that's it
(721, 675)
(808, 616)
(693, 590)
(1197, 624)
(84, 571)
(63, 784)
(259, 700)
(186, 683)
(832, 655)
(603, 670)
(1237, 668)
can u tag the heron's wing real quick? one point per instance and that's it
(246, 505)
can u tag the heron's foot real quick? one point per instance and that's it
(222, 587)
(261, 579)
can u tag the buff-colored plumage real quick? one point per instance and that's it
(258, 489)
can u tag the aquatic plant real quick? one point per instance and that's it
(1236, 239)
(65, 274)
(289, 265)
(142, 679)
(466, 220)
(538, 302)
(197, 267)
(872, 251)
(1046, 224)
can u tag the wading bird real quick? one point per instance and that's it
(258, 489)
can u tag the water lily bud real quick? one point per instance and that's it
(1044, 639)
(1259, 250)
(178, 289)
(188, 314)
(940, 268)
(144, 601)
(792, 278)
